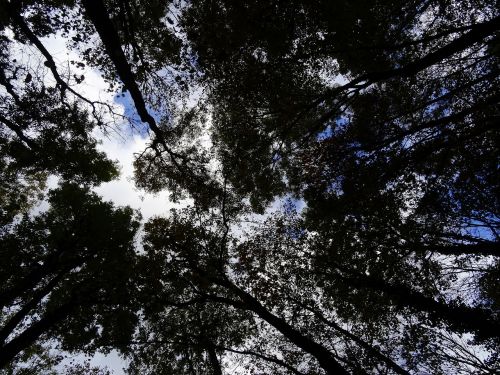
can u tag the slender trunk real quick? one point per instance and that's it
(19, 316)
(13, 11)
(476, 34)
(323, 355)
(369, 348)
(460, 317)
(483, 249)
(16, 129)
(214, 361)
(99, 16)
(51, 265)
(26, 283)
(31, 334)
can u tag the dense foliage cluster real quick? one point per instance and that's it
(342, 160)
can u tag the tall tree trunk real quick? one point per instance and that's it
(476, 34)
(483, 249)
(322, 354)
(99, 16)
(20, 315)
(214, 361)
(32, 333)
(460, 317)
(369, 348)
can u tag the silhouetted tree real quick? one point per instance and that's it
(379, 118)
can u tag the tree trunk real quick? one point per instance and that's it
(19, 316)
(323, 355)
(99, 16)
(214, 361)
(459, 316)
(31, 334)
(370, 349)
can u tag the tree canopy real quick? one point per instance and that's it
(341, 164)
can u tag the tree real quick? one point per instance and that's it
(378, 118)
(66, 285)
(58, 265)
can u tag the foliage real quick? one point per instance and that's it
(376, 119)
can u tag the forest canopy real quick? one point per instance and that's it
(336, 165)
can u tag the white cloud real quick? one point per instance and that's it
(112, 361)
(119, 146)
(122, 191)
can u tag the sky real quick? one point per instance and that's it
(119, 144)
